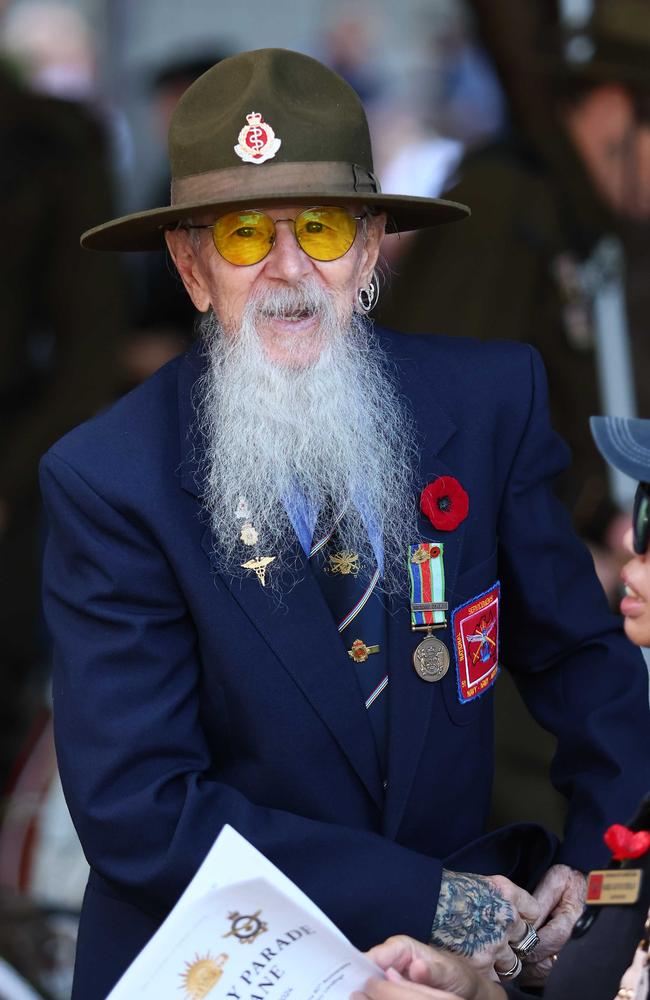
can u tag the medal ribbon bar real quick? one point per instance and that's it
(427, 580)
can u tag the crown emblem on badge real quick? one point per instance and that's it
(257, 141)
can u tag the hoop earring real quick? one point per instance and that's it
(367, 297)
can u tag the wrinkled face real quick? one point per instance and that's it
(212, 281)
(636, 602)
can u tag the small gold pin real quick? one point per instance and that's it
(359, 652)
(345, 563)
(420, 555)
(259, 567)
(249, 535)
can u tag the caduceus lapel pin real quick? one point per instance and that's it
(259, 567)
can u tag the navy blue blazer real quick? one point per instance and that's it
(184, 699)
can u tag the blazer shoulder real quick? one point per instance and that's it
(462, 363)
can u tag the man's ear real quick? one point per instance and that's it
(188, 264)
(376, 227)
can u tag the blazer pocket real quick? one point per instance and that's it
(474, 580)
(470, 583)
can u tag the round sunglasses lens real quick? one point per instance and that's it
(326, 233)
(243, 237)
(641, 525)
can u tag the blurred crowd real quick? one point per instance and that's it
(535, 113)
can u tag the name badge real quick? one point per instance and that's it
(612, 887)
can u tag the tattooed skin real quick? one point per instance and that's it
(471, 914)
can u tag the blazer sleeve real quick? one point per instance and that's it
(134, 762)
(578, 673)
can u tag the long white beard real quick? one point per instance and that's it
(333, 432)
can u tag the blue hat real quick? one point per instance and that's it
(625, 443)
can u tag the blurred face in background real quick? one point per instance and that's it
(643, 161)
(635, 605)
(615, 148)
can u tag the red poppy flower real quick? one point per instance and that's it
(445, 503)
(624, 843)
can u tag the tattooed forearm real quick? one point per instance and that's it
(471, 914)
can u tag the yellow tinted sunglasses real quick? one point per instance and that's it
(247, 237)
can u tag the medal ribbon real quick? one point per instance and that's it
(427, 578)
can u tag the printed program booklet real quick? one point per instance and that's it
(243, 931)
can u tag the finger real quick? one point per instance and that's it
(523, 944)
(517, 930)
(555, 933)
(551, 888)
(442, 970)
(397, 951)
(378, 989)
(524, 904)
(504, 960)
(420, 971)
(571, 902)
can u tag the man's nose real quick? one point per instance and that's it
(627, 541)
(286, 261)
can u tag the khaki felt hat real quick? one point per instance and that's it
(268, 127)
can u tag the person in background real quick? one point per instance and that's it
(543, 197)
(609, 953)
(61, 317)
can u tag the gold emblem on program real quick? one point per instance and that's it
(202, 974)
(246, 928)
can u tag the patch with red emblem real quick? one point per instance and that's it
(475, 627)
(257, 141)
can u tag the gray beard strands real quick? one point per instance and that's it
(333, 431)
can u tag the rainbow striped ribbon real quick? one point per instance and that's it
(427, 577)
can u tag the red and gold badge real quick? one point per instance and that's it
(257, 141)
(475, 627)
(359, 652)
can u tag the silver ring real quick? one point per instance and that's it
(513, 972)
(528, 943)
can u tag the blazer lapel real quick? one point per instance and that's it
(298, 627)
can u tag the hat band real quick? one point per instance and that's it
(234, 183)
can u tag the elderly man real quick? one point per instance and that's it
(273, 570)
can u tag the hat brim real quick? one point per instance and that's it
(625, 443)
(145, 230)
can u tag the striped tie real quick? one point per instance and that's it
(360, 617)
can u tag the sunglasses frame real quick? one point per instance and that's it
(641, 513)
(311, 208)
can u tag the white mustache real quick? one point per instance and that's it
(307, 298)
